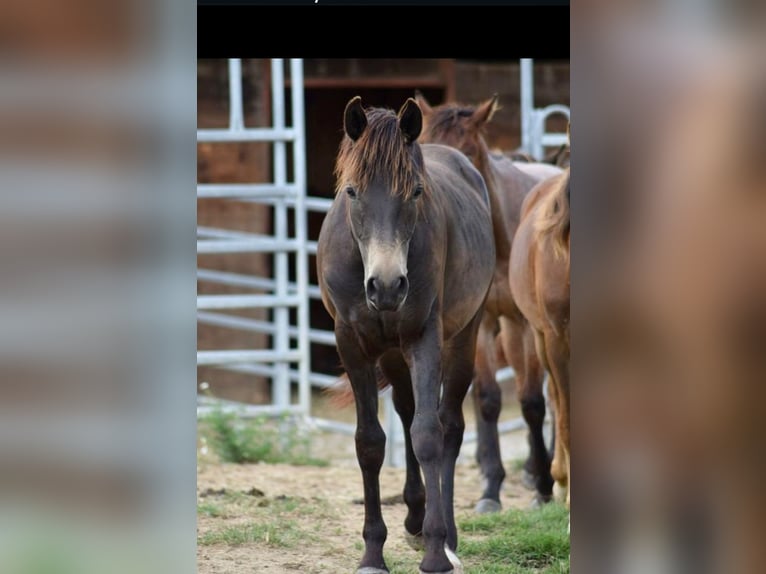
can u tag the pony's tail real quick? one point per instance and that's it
(555, 220)
(342, 395)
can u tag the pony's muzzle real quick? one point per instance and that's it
(386, 296)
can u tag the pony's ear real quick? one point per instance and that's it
(485, 111)
(410, 120)
(422, 102)
(354, 118)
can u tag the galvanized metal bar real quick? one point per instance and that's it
(245, 301)
(257, 326)
(334, 426)
(317, 379)
(319, 204)
(219, 233)
(555, 109)
(527, 98)
(236, 117)
(281, 380)
(250, 281)
(248, 411)
(305, 334)
(255, 245)
(549, 140)
(242, 190)
(315, 204)
(242, 356)
(394, 431)
(245, 135)
(505, 374)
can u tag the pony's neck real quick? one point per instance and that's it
(499, 229)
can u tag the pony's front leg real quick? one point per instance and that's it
(370, 446)
(423, 357)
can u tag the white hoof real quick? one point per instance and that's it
(487, 505)
(371, 570)
(415, 541)
(456, 564)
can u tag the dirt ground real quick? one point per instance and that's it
(309, 519)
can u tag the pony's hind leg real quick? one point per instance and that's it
(532, 400)
(519, 346)
(558, 361)
(487, 401)
(370, 447)
(395, 370)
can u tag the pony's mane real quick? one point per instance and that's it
(554, 218)
(381, 153)
(446, 118)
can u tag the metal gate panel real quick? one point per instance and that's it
(534, 137)
(283, 294)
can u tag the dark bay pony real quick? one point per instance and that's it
(539, 280)
(408, 226)
(462, 127)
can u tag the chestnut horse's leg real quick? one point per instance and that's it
(519, 347)
(370, 446)
(458, 370)
(424, 358)
(396, 372)
(558, 363)
(487, 402)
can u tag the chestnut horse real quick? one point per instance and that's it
(462, 127)
(408, 225)
(539, 280)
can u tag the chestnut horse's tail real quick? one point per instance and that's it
(554, 220)
(342, 395)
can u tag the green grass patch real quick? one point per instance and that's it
(211, 509)
(262, 439)
(516, 542)
(273, 521)
(283, 534)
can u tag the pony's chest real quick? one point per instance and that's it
(377, 332)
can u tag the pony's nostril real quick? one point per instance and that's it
(372, 286)
(402, 284)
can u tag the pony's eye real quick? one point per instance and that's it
(418, 191)
(351, 192)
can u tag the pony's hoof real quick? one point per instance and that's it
(559, 492)
(539, 501)
(371, 570)
(487, 505)
(457, 566)
(528, 480)
(415, 541)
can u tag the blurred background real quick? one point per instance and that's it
(97, 289)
